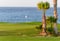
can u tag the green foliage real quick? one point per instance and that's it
(43, 5)
(51, 19)
(46, 5)
(39, 27)
(40, 5)
(50, 30)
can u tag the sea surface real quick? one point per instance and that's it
(24, 14)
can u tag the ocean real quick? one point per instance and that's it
(24, 14)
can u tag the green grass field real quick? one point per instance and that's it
(23, 32)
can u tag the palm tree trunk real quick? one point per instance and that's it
(43, 33)
(55, 16)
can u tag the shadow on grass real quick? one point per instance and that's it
(27, 32)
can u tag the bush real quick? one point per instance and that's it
(39, 27)
(50, 30)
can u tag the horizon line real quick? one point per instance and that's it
(25, 6)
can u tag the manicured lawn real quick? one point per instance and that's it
(12, 29)
(26, 38)
(23, 32)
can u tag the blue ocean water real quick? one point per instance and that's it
(24, 14)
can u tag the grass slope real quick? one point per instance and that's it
(18, 28)
(26, 38)
(23, 32)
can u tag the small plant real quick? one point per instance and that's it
(50, 21)
(39, 27)
(50, 30)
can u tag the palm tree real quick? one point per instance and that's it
(55, 16)
(44, 7)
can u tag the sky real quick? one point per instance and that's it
(23, 3)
